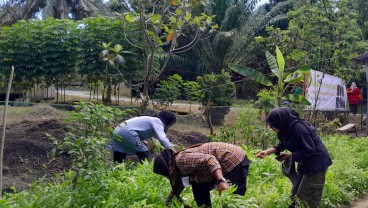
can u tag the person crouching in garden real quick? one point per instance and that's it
(129, 135)
(206, 166)
(301, 139)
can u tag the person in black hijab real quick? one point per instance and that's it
(306, 148)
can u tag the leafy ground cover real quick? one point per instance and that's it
(130, 185)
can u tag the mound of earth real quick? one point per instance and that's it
(26, 152)
(187, 139)
(27, 148)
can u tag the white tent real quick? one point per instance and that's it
(326, 92)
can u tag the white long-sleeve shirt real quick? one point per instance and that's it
(136, 129)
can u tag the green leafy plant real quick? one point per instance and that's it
(168, 90)
(113, 58)
(266, 101)
(346, 180)
(90, 128)
(192, 91)
(248, 129)
(218, 90)
(284, 79)
(161, 24)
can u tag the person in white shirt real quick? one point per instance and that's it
(129, 135)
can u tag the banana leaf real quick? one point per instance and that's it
(251, 74)
(298, 75)
(272, 64)
(297, 99)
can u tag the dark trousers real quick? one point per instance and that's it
(308, 190)
(237, 176)
(354, 108)
(119, 157)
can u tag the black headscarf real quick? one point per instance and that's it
(164, 164)
(282, 119)
(167, 117)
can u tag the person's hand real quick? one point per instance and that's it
(262, 154)
(283, 156)
(175, 147)
(223, 186)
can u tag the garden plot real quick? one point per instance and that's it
(27, 146)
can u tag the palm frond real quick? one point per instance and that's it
(63, 9)
(235, 17)
(87, 6)
(102, 8)
(253, 26)
(49, 9)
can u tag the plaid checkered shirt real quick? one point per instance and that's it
(201, 161)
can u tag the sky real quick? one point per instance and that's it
(262, 2)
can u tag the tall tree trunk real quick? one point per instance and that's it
(57, 90)
(108, 91)
(209, 117)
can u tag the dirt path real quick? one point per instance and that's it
(362, 203)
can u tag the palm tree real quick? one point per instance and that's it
(14, 10)
(234, 42)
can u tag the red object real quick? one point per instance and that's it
(354, 96)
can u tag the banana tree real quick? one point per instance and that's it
(284, 79)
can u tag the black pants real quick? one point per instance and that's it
(119, 157)
(237, 176)
(354, 108)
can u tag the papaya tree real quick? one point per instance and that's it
(113, 58)
(284, 78)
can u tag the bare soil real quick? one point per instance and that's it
(27, 145)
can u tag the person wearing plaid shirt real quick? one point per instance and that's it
(209, 165)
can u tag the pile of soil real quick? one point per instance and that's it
(26, 152)
(27, 149)
(187, 139)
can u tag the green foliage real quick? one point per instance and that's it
(160, 25)
(284, 79)
(53, 52)
(266, 101)
(41, 51)
(324, 35)
(192, 91)
(169, 90)
(218, 89)
(173, 88)
(329, 127)
(90, 128)
(248, 129)
(126, 185)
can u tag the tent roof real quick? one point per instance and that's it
(361, 59)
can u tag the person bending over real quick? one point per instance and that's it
(128, 137)
(206, 166)
(307, 149)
